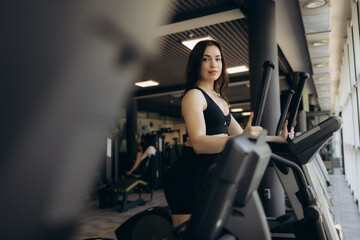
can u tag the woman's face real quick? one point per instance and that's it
(211, 65)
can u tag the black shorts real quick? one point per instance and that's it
(184, 180)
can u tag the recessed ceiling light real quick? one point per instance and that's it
(237, 110)
(323, 94)
(320, 65)
(314, 3)
(237, 69)
(176, 95)
(190, 43)
(324, 98)
(246, 113)
(148, 83)
(323, 87)
(319, 43)
(321, 78)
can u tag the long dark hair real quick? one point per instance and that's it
(193, 68)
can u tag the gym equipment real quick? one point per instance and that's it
(108, 196)
(61, 87)
(300, 180)
(285, 110)
(172, 152)
(302, 148)
(222, 207)
(137, 182)
(223, 211)
(265, 83)
(153, 223)
(309, 226)
(295, 102)
(157, 166)
(230, 205)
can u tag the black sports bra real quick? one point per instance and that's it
(215, 120)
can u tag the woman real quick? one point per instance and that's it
(137, 161)
(209, 125)
(140, 156)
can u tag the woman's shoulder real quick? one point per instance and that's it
(195, 92)
(193, 99)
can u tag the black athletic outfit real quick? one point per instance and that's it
(185, 177)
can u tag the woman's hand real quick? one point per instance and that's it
(284, 132)
(252, 130)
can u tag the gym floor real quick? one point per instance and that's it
(344, 208)
(96, 222)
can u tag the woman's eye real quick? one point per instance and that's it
(218, 59)
(205, 59)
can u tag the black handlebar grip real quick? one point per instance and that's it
(297, 98)
(285, 111)
(264, 87)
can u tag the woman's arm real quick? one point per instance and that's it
(192, 107)
(236, 129)
(136, 164)
(283, 135)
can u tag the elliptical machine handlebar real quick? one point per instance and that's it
(264, 87)
(284, 111)
(296, 100)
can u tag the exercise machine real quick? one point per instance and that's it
(229, 207)
(297, 165)
(153, 223)
(61, 87)
(108, 195)
(225, 212)
(222, 207)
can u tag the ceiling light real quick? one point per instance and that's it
(324, 98)
(321, 78)
(237, 110)
(246, 113)
(322, 82)
(190, 43)
(324, 87)
(319, 43)
(323, 94)
(320, 65)
(237, 69)
(314, 3)
(148, 83)
(176, 95)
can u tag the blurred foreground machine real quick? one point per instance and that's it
(66, 69)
